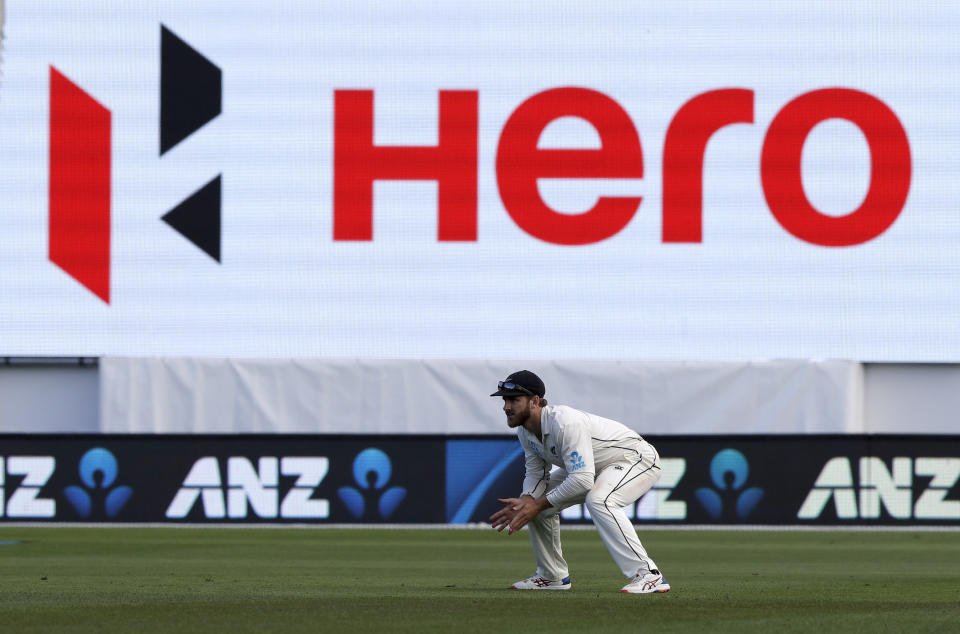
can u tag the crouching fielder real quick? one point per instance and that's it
(603, 464)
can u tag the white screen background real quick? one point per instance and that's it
(285, 288)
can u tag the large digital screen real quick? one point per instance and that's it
(595, 180)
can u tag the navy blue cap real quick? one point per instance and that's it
(521, 383)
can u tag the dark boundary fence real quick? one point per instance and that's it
(880, 480)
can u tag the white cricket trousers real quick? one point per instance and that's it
(616, 485)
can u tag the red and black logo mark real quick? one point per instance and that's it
(191, 91)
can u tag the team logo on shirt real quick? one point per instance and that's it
(576, 461)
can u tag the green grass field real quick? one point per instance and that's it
(62, 579)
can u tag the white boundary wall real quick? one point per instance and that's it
(65, 397)
(49, 396)
(912, 398)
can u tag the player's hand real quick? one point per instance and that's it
(517, 512)
(502, 518)
(525, 510)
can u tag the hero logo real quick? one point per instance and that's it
(520, 163)
(877, 484)
(23, 500)
(253, 489)
(191, 93)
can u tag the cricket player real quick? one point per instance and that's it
(602, 464)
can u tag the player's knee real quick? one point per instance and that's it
(595, 503)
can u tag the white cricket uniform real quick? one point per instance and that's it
(602, 464)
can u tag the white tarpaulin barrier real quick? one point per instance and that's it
(191, 395)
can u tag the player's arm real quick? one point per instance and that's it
(536, 476)
(577, 451)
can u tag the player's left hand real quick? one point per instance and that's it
(502, 518)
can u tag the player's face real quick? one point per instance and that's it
(517, 409)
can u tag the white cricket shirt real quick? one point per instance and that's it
(578, 442)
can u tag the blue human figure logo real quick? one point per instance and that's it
(576, 461)
(371, 472)
(729, 470)
(98, 471)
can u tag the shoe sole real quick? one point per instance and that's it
(547, 588)
(657, 591)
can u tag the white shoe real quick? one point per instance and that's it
(647, 583)
(536, 582)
